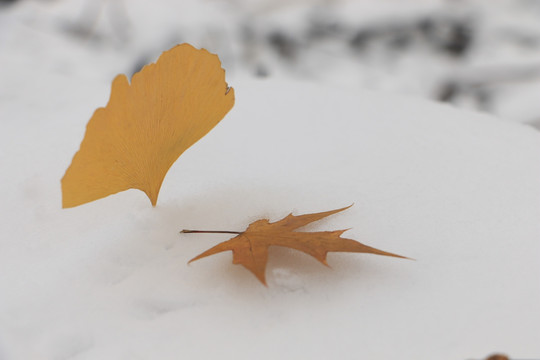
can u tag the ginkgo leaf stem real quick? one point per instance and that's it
(185, 231)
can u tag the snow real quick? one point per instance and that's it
(453, 189)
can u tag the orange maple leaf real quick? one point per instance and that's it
(250, 248)
(147, 125)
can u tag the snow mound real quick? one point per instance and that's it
(455, 190)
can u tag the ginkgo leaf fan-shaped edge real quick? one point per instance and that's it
(110, 161)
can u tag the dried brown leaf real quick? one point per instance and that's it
(250, 248)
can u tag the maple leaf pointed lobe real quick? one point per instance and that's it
(250, 248)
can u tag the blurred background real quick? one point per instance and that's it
(477, 54)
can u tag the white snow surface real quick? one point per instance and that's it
(455, 190)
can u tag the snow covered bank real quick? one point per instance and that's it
(455, 190)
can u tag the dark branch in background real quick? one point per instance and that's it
(479, 84)
(85, 26)
(535, 123)
(283, 44)
(449, 35)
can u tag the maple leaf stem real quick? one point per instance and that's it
(185, 231)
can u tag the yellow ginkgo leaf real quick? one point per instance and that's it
(133, 141)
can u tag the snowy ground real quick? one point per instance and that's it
(456, 190)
